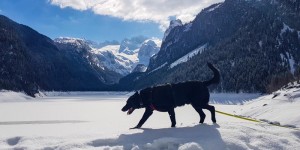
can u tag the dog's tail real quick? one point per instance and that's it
(216, 78)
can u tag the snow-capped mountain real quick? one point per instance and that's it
(124, 58)
(72, 44)
(130, 46)
(148, 49)
(255, 44)
(120, 58)
(101, 44)
(83, 52)
(110, 57)
(31, 62)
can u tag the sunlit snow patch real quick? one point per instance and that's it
(188, 56)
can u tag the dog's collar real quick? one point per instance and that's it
(152, 107)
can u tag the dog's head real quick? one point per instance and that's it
(132, 103)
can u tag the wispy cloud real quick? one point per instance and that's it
(158, 11)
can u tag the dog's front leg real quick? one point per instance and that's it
(172, 117)
(147, 114)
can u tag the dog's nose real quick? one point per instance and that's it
(123, 109)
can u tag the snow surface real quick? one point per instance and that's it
(292, 64)
(161, 66)
(112, 48)
(260, 43)
(188, 56)
(282, 106)
(290, 60)
(285, 29)
(93, 120)
(212, 9)
(9, 96)
(188, 27)
(70, 40)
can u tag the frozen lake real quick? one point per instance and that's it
(94, 120)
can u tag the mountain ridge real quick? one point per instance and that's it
(117, 57)
(246, 39)
(32, 62)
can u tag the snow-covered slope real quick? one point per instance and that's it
(93, 120)
(128, 46)
(10, 96)
(72, 41)
(109, 55)
(188, 56)
(281, 107)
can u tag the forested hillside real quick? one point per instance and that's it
(31, 61)
(255, 44)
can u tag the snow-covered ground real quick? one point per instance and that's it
(9, 96)
(93, 120)
(281, 107)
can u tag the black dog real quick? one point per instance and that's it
(165, 98)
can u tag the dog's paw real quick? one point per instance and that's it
(214, 120)
(201, 121)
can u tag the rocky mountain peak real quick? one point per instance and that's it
(173, 24)
(128, 46)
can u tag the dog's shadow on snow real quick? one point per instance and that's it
(203, 136)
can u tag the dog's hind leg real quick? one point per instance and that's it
(201, 113)
(147, 114)
(172, 117)
(212, 111)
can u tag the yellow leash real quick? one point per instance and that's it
(254, 120)
(236, 116)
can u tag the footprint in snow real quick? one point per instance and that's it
(13, 141)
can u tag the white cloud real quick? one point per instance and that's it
(158, 11)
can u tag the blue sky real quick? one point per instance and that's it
(100, 20)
